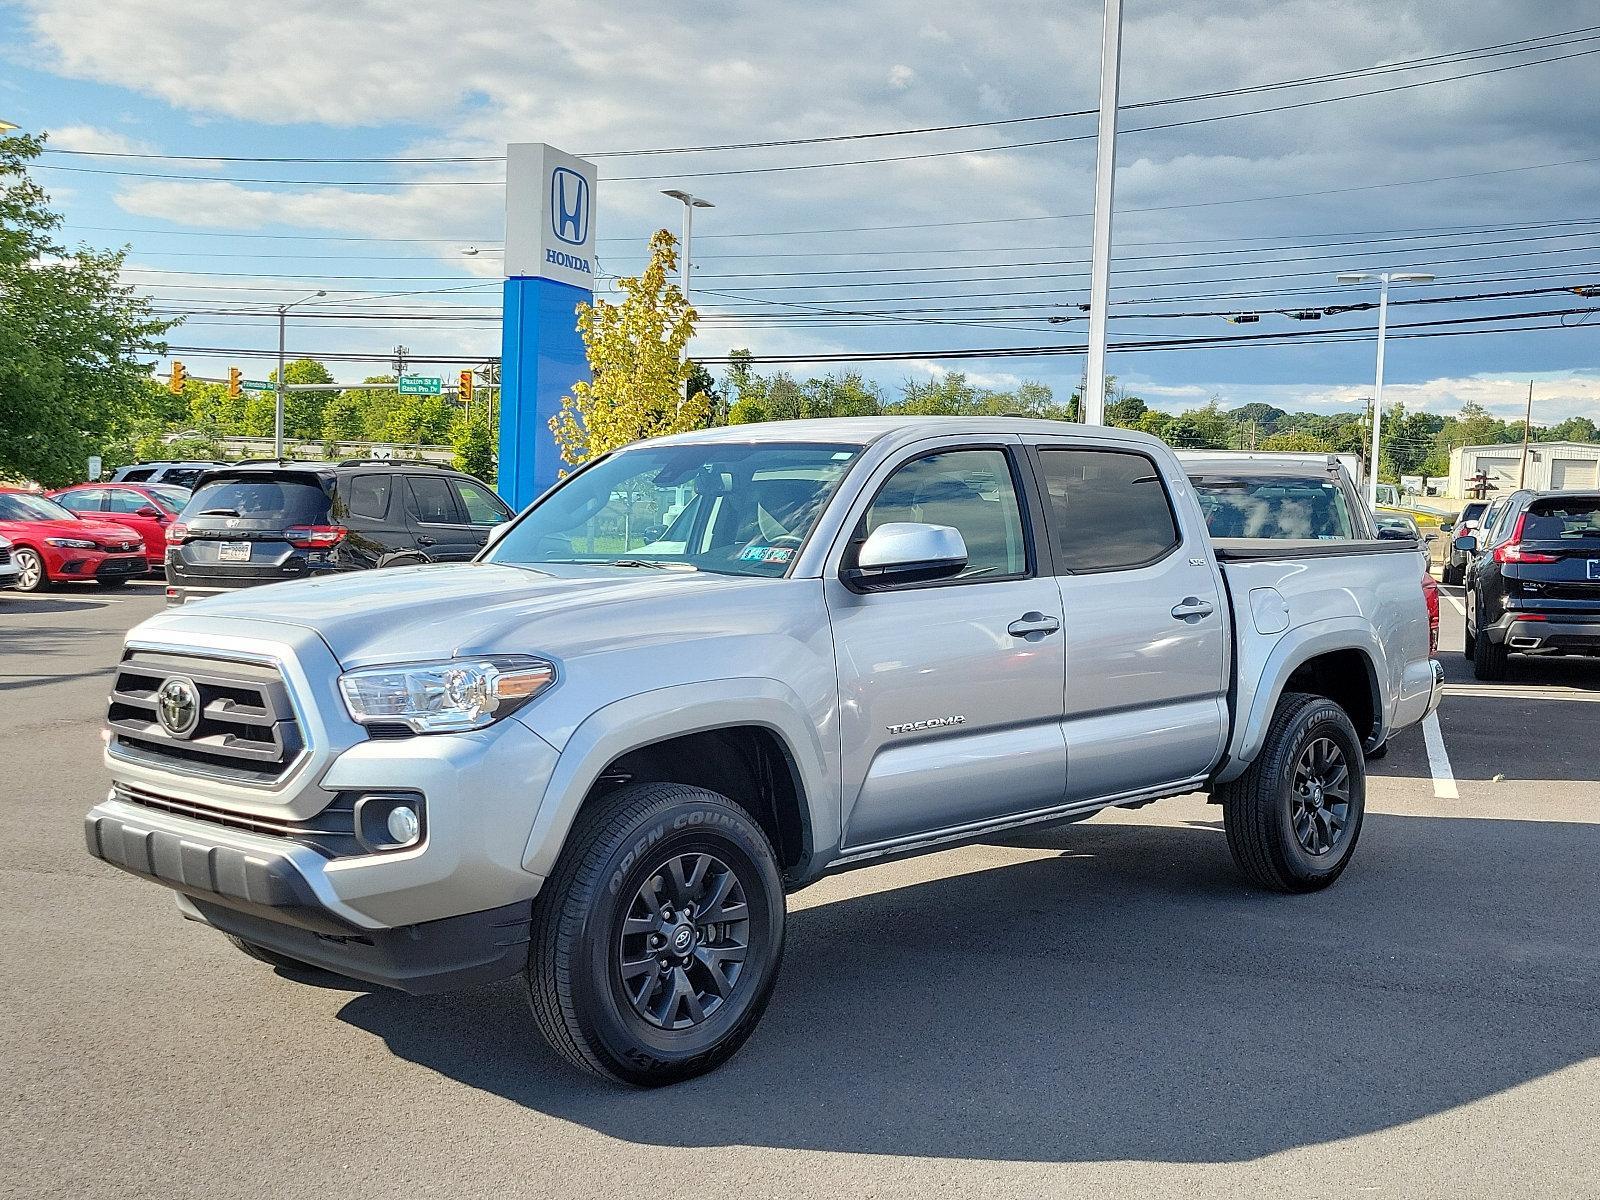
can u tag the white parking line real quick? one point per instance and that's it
(1444, 779)
(1452, 597)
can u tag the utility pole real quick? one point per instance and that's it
(1383, 280)
(1105, 168)
(690, 203)
(277, 415)
(1527, 431)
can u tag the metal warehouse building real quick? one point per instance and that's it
(1551, 465)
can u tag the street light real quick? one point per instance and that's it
(277, 417)
(1383, 279)
(8, 126)
(1092, 409)
(690, 203)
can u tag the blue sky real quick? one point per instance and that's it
(989, 247)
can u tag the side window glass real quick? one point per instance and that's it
(431, 502)
(1109, 508)
(124, 501)
(481, 505)
(139, 474)
(85, 501)
(369, 496)
(969, 490)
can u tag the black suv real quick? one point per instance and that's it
(270, 521)
(1533, 580)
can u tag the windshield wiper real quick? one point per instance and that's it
(652, 565)
(219, 512)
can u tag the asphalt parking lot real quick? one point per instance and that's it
(1103, 1009)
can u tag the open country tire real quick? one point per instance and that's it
(1294, 817)
(657, 940)
(31, 575)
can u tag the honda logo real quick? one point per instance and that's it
(569, 206)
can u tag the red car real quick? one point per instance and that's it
(145, 508)
(51, 545)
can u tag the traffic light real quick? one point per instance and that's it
(180, 376)
(233, 383)
(465, 394)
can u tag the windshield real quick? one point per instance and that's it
(19, 506)
(729, 508)
(174, 497)
(1273, 506)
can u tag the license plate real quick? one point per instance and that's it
(233, 552)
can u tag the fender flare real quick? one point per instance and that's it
(643, 719)
(1294, 649)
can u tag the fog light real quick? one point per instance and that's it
(404, 826)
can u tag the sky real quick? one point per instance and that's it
(966, 239)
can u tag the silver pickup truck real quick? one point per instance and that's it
(704, 672)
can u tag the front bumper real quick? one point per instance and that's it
(1555, 634)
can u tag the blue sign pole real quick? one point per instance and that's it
(549, 264)
(541, 357)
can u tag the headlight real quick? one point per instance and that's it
(445, 697)
(71, 543)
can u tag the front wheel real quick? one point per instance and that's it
(657, 940)
(31, 575)
(1294, 816)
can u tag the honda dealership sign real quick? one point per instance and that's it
(550, 212)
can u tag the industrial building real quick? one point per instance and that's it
(1550, 466)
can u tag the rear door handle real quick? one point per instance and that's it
(1032, 623)
(424, 540)
(1192, 608)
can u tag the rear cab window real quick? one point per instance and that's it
(1290, 507)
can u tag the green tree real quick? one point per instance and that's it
(1126, 412)
(1298, 441)
(302, 411)
(473, 437)
(343, 419)
(636, 362)
(75, 344)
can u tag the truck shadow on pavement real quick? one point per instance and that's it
(1122, 997)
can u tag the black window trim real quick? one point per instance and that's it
(411, 478)
(1027, 513)
(1035, 452)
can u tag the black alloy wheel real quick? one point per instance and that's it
(683, 942)
(1320, 809)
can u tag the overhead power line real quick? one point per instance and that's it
(1497, 49)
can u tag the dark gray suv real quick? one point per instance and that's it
(256, 523)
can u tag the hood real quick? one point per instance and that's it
(445, 610)
(100, 532)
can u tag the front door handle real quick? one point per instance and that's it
(1031, 623)
(424, 540)
(1193, 608)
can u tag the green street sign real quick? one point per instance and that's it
(421, 385)
(256, 385)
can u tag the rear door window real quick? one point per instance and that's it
(431, 502)
(1110, 509)
(265, 502)
(87, 500)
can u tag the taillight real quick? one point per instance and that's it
(1430, 597)
(1512, 551)
(175, 533)
(315, 537)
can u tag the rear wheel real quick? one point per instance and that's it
(31, 576)
(1488, 659)
(656, 942)
(1294, 817)
(270, 957)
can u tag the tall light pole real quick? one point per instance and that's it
(690, 203)
(1093, 407)
(277, 416)
(1383, 280)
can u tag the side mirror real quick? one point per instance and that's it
(496, 532)
(148, 511)
(901, 552)
(1428, 537)
(1466, 543)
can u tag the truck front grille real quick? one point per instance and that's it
(247, 731)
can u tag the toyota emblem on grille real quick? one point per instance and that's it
(178, 706)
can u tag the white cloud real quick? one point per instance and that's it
(88, 138)
(901, 76)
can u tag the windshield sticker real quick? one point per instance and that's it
(766, 554)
